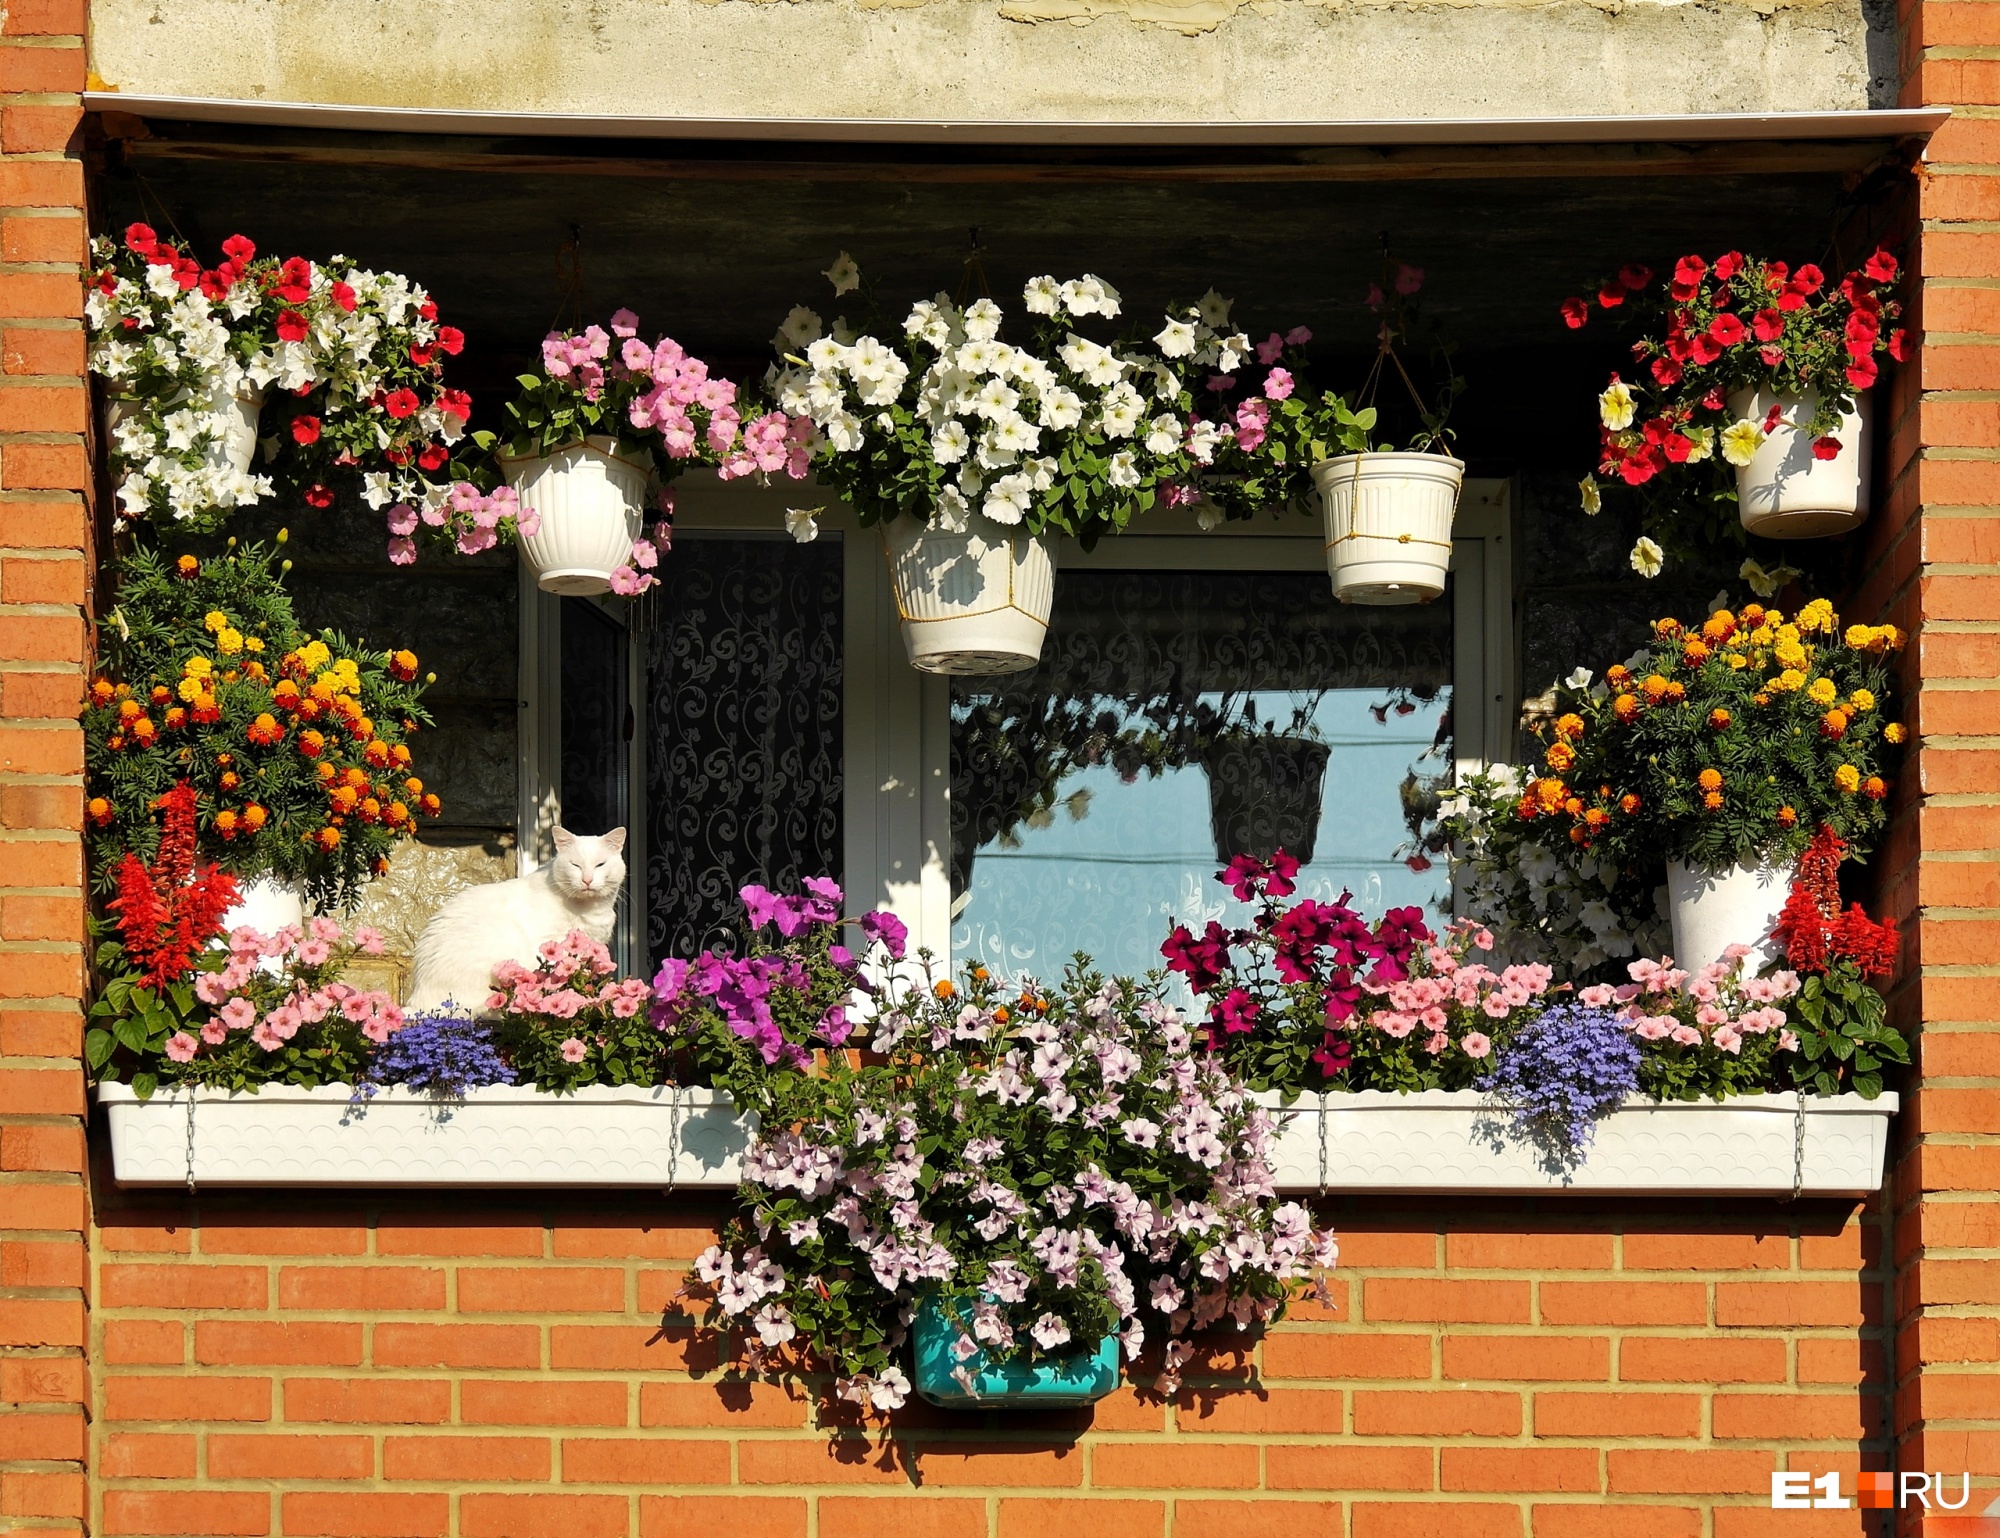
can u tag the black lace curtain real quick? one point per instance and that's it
(743, 762)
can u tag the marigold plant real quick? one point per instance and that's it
(1722, 742)
(297, 747)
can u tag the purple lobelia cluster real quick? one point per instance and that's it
(1565, 1071)
(439, 1054)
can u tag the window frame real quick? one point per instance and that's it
(896, 722)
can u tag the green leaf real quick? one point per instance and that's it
(98, 1047)
(143, 1085)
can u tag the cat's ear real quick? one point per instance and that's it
(616, 839)
(564, 838)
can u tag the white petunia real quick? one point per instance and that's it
(826, 355)
(995, 400)
(982, 355)
(1579, 678)
(1647, 558)
(1214, 309)
(1017, 435)
(1090, 295)
(951, 510)
(1163, 435)
(844, 275)
(1042, 295)
(1008, 499)
(1123, 470)
(1591, 495)
(1061, 409)
(802, 523)
(1231, 351)
(1122, 410)
(1175, 338)
(844, 432)
(950, 442)
(982, 320)
(1765, 584)
(1041, 474)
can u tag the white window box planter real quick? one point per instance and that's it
(1455, 1140)
(497, 1136)
(692, 1139)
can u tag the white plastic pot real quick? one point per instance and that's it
(591, 499)
(976, 602)
(1388, 524)
(236, 449)
(1712, 910)
(1785, 493)
(267, 905)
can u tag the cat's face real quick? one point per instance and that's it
(587, 866)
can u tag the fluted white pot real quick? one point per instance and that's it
(591, 500)
(1388, 524)
(1712, 910)
(267, 905)
(975, 602)
(1785, 493)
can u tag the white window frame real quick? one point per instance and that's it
(896, 722)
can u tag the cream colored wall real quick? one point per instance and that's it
(1179, 60)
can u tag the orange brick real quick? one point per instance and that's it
(44, 1204)
(1624, 1303)
(1026, 1517)
(361, 1288)
(1590, 1521)
(1558, 1470)
(236, 1343)
(206, 1513)
(540, 1290)
(38, 130)
(1447, 1302)
(1162, 1466)
(290, 1457)
(1788, 1417)
(457, 1345)
(483, 1460)
(24, 1494)
(1297, 1354)
(343, 1514)
(55, 1149)
(42, 237)
(1047, 1466)
(1436, 1412)
(1260, 1518)
(1348, 1467)
(47, 71)
(147, 1455)
(148, 1238)
(632, 1348)
(1260, 1410)
(168, 1286)
(820, 1461)
(1793, 1304)
(30, 18)
(283, 1239)
(42, 1436)
(1363, 1250)
(1602, 1415)
(1698, 1359)
(1528, 1252)
(620, 1241)
(543, 1516)
(368, 1401)
(1527, 1358)
(541, 1402)
(1707, 1252)
(47, 697)
(851, 1516)
(1426, 1519)
(38, 466)
(714, 1406)
(1834, 1361)
(1695, 1471)
(469, 1239)
(649, 1461)
(741, 1516)
(42, 1380)
(47, 1263)
(41, 1322)
(179, 1398)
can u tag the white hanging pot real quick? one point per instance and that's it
(235, 450)
(1713, 910)
(591, 499)
(975, 602)
(1388, 524)
(1785, 493)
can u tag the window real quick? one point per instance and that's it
(1199, 692)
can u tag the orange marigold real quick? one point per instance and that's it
(1561, 756)
(1654, 686)
(1695, 653)
(1709, 779)
(1625, 707)
(1569, 727)
(1628, 803)
(1787, 817)
(1875, 787)
(1833, 724)
(1712, 800)
(1718, 718)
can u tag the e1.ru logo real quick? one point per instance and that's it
(1878, 1491)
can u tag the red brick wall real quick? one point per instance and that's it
(44, 1380)
(397, 1368)
(1940, 537)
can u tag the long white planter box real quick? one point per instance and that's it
(1436, 1141)
(497, 1136)
(1455, 1140)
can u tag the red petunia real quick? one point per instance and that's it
(452, 340)
(1688, 273)
(343, 295)
(1808, 279)
(291, 326)
(1861, 372)
(1611, 295)
(421, 356)
(432, 457)
(294, 284)
(1574, 313)
(428, 309)
(1727, 266)
(317, 495)
(1899, 344)
(1772, 356)
(305, 429)
(1635, 276)
(1881, 267)
(140, 238)
(401, 403)
(1705, 348)
(1667, 372)
(240, 249)
(1767, 326)
(1827, 447)
(1726, 329)
(456, 403)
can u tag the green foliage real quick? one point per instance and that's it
(1845, 1039)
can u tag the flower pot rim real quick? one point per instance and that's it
(637, 456)
(1368, 456)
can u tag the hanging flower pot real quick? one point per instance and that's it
(1786, 491)
(975, 602)
(1264, 794)
(1712, 910)
(1388, 524)
(1078, 1379)
(590, 499)
(267, 904)
(233, 416)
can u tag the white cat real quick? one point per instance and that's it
(511, 920)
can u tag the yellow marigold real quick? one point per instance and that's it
(229, 642)
(1847, 778)
(1709, 779)
(1787, 682)
(1737, 660)
(1676, 690)
(1569, 727)
(1561, 756)
(1861, 699)
(1894, 732)
(1822, 691)
(198, 667)
(1818, 618)
(1774, 617)
(215, 620)
(314, 654)
(1789, 653)
(191, 690)
(253, 643)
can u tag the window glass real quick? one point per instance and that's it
(1178, 718)
(743, 750)
(596, 724)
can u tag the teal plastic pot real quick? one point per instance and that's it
(1071, 1380)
